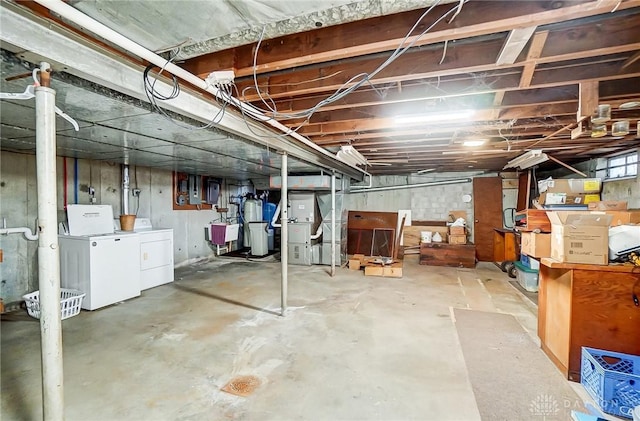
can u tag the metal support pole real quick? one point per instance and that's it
(284, 238)
(48, 252)
(333, 224)
(125, 190)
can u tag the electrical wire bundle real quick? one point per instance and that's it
(154, 96)
(354, 82)
(224, 96)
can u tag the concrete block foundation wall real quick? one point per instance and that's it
(18, 205)
(426, 203)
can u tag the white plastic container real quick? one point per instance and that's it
(527, 280)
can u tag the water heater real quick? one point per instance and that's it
(251, 212)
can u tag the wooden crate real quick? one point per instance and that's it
(456, 230)
(453, 255)
(457, 239)
(532, 220)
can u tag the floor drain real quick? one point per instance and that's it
(242, 385)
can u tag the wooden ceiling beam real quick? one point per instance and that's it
(385, 33)
(514, 44)
(339, 122)
(535, 50)
(487, 113)
(469, 59)
(414, 64)
(494, 129)
(626, 86)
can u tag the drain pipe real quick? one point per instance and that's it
(413, 186)
(333, 223)
(26, 231)
(74, 15)
(125, 189)
(284, 239)
(48, 252)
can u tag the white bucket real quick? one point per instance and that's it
(425, 236)
(636, 413)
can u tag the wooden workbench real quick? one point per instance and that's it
(587, 305)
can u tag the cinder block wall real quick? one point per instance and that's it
(18, 205)
(426, 203)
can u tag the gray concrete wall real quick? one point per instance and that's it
(18, 204)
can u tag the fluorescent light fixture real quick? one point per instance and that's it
(425, 171)
(351, 156)
(528, 159)
(478, 142)
(439, 117)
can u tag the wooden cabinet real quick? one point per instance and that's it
(505, 245)
(454, 255)
(532, 220)
(587, 305)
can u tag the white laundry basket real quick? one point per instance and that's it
(70, 303)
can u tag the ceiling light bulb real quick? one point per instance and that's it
(479, 142)
(439, 118)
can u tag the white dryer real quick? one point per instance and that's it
(156, 253)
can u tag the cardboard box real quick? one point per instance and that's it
(535, 244)
(563, 198)
(580, 237)
(393, 270)
(453, 230)
(623, 217)
(570, 185)
(354, 264)
(610, 205)
(457, 239)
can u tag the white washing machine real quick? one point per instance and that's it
(96, 260)
(156, 253)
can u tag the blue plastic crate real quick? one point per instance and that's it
(612, 379)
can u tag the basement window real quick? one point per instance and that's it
(622, 166)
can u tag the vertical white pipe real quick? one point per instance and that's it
(125, 190)
(333, 223)
(48, 256)
(284, 236)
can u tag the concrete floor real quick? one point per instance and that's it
(350, 347)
